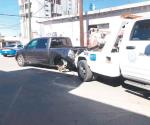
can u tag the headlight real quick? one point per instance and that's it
(71, 54)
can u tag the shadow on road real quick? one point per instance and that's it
(114, 82)
(119, 81)
(142, 94)
(38, 97)
(137, 91)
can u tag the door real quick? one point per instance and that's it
(135, 57)
(57, 49)
(30, 51)
(42, 51)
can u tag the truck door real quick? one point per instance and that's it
(135, 55)
(36, 51)
(30, 49)
(42, 51)
(57, 48)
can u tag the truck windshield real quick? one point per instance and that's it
(141, 30)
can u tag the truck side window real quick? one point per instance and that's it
(32, 44)
(141, 30)
(68, 42)
(61, 42)
(42, 43)
(58, 42)
(65, 42)
(54, 43)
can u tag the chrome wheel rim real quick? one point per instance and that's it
(82, 71)
(20, 60)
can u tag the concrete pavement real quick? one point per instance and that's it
(43, 96)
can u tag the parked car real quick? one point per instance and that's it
(51, 51)
(11, 50)
(0, 51)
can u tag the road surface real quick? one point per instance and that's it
(43, 96)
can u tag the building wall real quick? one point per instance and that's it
(69, 29)
(69, 26)
(42, 10)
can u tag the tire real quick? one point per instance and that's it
(146, 94)
(20, 60)
(84, 72)
(5, 55)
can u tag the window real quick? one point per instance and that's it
(11, 45)
(141, 30)
(46, 15)
(62, 41)
(42, 43)
(68, 42)
(32, 44)
(46, 5)
(55, 43)
(103, 26)
(27, 5)
(58, 2)
(59, 42)
(20, 46)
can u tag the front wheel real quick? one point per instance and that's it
(5, 55)
(20, 60)
(84, 72)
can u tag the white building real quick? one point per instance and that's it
(41, 10)
(5, 40)
(103, 19)
(70, 7)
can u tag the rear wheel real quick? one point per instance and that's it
(84, 72)
(20, 60)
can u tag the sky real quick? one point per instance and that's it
(10, 25)
(100, 4)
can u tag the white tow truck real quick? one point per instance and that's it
(125, 53)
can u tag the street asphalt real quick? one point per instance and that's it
(44, 96)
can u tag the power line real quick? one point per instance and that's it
(39, 10)
(8, 27)
(13, 15)
(39, 2)
(4, 24)
(2, 14)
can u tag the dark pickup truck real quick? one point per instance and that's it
(51, 51)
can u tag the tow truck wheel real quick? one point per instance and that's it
(20, 60)
(84, 72)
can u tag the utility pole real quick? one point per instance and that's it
(29, 18)
(81, 23)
